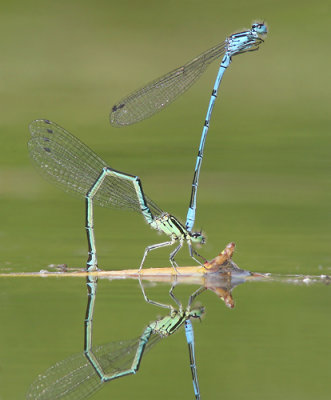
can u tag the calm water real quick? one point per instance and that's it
(265, 184)
(275, 342)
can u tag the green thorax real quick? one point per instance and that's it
(171, 323)
(170, 225)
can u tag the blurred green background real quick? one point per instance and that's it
(265, 180)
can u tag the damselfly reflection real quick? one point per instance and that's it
(82, 374)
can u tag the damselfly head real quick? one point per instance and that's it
(260, 28)
(197, 237)
(197, 312)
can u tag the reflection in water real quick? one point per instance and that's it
(220, 275)
(81, 375)
(178, 317)
(224, 275)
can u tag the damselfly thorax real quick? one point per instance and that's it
(172, 227)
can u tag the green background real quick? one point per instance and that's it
(265, 184)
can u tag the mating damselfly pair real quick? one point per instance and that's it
(66, 161)
(70, 164)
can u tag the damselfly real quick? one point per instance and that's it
(157, 94)
(70, 164)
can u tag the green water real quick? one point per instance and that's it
(265, 184)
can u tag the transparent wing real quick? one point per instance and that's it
(67, 162)
(157, 94)
(74, 378)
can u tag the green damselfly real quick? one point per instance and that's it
(70, 164)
